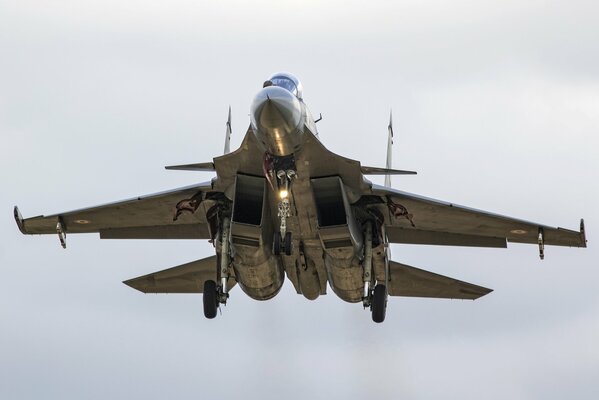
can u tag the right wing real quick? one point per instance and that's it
(166, 215)
(420, 220)
(413, 282)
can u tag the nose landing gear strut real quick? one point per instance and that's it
(282, 241)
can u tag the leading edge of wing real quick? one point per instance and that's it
(570, 237)
(206, 167)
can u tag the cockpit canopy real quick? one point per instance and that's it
(289, 82)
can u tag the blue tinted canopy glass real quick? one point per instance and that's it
(285, 83)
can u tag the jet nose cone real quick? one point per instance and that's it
(276, 115)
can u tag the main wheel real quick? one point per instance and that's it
(288, 243)
(276, 244)
(210, 300)
(379, 303)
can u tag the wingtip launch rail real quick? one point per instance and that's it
(389, 149)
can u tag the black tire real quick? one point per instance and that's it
(379, 303)
(288, 243)
(276, 244)
(210, 300)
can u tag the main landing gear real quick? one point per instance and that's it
(210, 299)
(378, 304)
(214, 295)
(375, 299)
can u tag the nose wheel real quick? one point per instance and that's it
(282, 244)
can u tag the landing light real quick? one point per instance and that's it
(283, 194)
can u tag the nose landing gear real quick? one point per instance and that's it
(282, 244)
(282, 241)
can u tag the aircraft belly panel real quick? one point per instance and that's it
(305, 267)
(259, 280)
(345, 276)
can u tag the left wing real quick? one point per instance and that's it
(165, 215)
(421, 220)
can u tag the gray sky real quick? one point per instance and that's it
(496, 105)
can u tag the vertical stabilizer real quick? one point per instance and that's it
(389, 149)
(228, 134)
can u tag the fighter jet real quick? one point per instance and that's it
(282, 206)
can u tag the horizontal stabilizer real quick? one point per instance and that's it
(385, 171)
(207, 166)
(185, 278)
(413, 282)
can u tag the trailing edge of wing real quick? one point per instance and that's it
(418, 236)
(385, 171)
(207, 166)
(184, 278)
(414, 282)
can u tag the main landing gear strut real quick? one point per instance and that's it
(214, 295)
(375, 299)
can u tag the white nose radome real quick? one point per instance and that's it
(276, 116)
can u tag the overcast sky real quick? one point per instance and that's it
(496, 105)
